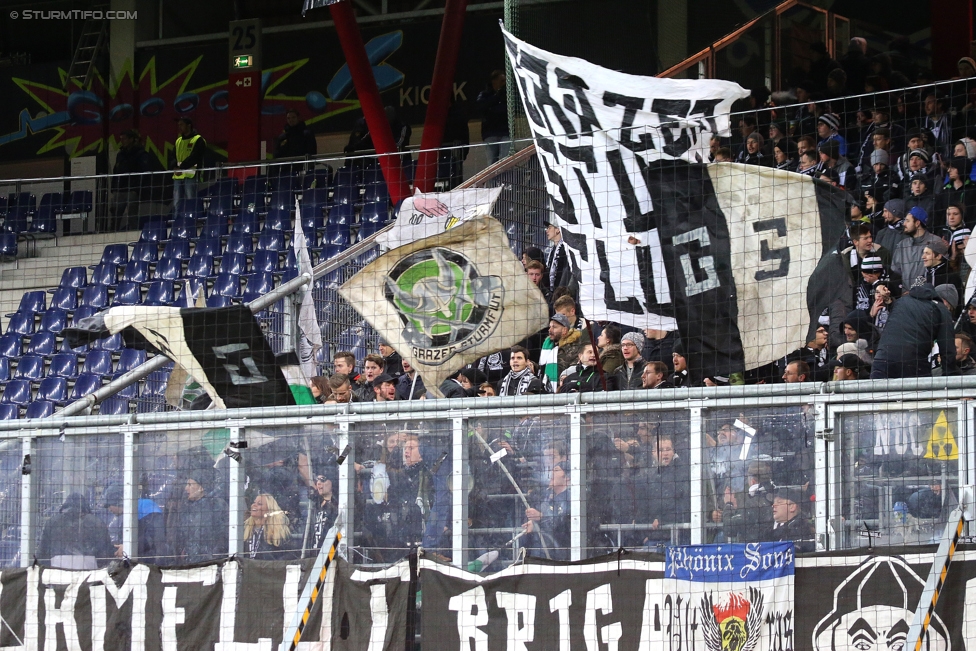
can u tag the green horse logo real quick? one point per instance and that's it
(444, 304)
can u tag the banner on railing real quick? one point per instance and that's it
(426, 215)
(723, 253)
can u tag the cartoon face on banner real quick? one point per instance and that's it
(873, 609)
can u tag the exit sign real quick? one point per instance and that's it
(243, 61)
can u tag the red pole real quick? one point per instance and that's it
(369, 98)
(442, 86)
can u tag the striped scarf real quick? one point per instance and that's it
(548, 360)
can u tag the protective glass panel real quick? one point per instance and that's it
(638, 484)
(900, 475)
(76, 479)
(10, 477)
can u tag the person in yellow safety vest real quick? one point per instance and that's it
(190, 149)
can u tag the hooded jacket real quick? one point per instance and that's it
(74, 531)
(295, 140)
(202, 531)
(916, 320)
(569, 349)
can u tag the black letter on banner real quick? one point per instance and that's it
(635, 221)
(587, 118)
(542, 96)
(631, 305)
(666, 110)
(590, 204)
(766, 254)
(631, 106)
(564, 208)
(706, 108)
(646, 270)
(577, 242)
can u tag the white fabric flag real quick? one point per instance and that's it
(425, 215)
(311, 335)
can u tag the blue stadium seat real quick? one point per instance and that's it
(128, 392)
(144, 252)
(282, 201)
(189, 208)
(17, 392)
(346, 185)
(289, 262)
(21, 323)
(183, 228)
(342, 213)
(136, 271)
(64, 298)
(153, 231)
(74, 277)
(216, 226)
(199, 266)
(221, 194)
(208, 246)
(63, 365)
(277, 220)
(11, 346)
(44, 222)
(130, 358)
(53, 388)
(33, 301)
(375, 186)
(320, 179)
(377, 212)
(155, 383)
(316, 198)
(54, 320)
(159, 292)
(176, 249)
(4, 369)
(367, 229)
(98, 362)
(169, 269)
(239, 244)
(336, 234)
(42, 343)
(86, 384)
(95, 296)
(24, 201)
(216, 300)
(83, 311)
(8, 247)
(105, 273)
(264, 261)
(117, 254)
(9, 411)
(227, 284)
(114, 406)
(258, 284)
(38, 409)
(16, 220)
(330, 250)
(111, 343)
(80, 202)
(257, 184)
(246, 223)
(128, 292)
(52, 200)
(313, 219)
(284, 182)
(271, 241)
(233, 263)
(30, 367)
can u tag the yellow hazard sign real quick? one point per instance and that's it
(942, 444)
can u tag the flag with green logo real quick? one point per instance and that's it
(448, 300)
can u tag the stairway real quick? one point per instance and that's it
(92, 42)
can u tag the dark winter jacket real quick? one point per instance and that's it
(295, 140)
(202, 530)
(635, 381)
(494, 112)
(916, 320)
(74, 531)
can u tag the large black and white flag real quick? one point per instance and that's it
(723, 253)
(221, 348)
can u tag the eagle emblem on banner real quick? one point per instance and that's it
(734, 624)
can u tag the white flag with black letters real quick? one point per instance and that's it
(723, 253)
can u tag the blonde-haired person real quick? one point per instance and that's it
(267, 535)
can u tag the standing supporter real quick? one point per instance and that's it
(881, 185)
(586, 376)
(821, 65)
(806, 143)
(937, 271)
(786, 156)
(906, 259)
(202, 529)
(658, 345)
(789, 523)
(663, 495)
(384, 388)
(905, 166)
(831, 159)
(752, 153)
(855, 63)
(723, 155)
(345, 362)
(957, 234)
(777, 131)
(917, 320)
(548, 525)
(629, 374)
(393, 364)
(320, 388)
(881, 117)
(557, 259)
(814, 354)
(920, 194)
(411, 495)
(960, 190)
(267, 531)
(827, 129)
(862, 247)
(131, 163)
(341, 390)
(796, 371)
(938, 122)
(567, 342)
(611, 356)
(681, 377)
(74, 539)
(536, 271)
(460, 385)
(295, 140)
(410, 386)
(654, 376)
(189, 150)
(964, 359)
(520, 380)
(803, 120)
(373, 366)
(748, 125)
(494, 116)
(872, 294)
(746, 516)
(891, 233)
(325, 511)
(809, 163)
(566, 306)
(847, 367)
